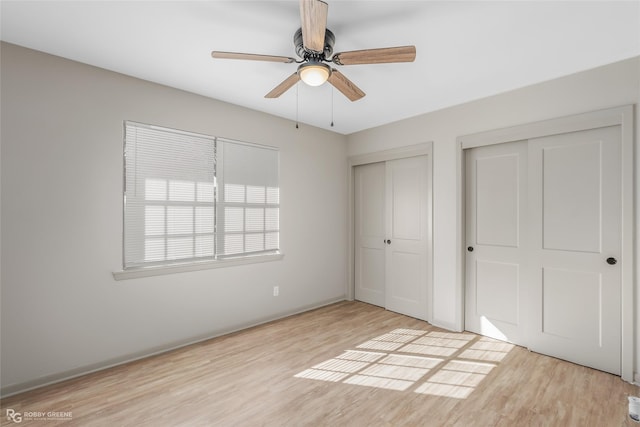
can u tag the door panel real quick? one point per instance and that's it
(406, 252)
(572, 197)
(559, 291)
(370, 233)
(497, 227)
(371, 278)
(497, 278)
(576, 211)
(403, 286)
(406, 213)
(496, 211)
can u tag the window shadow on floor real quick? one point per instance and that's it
(426, 362)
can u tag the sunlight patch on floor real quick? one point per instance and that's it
(453, 335)
(456, 379)
(395, 337)
(487, 349)
(399, 372)
(380, 345)
(439, 363)
(429, 350)
(377, 382)
(442, 342)
(412, 361)
(417, 332)
(316, 374)
(366, 356)
(341, 365)
(467, 366)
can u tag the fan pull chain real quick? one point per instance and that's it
(331, 106)
(297, 100)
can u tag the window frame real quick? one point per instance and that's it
(194, 263)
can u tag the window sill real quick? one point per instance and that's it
(196, 266)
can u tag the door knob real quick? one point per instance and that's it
(612, 261)
(470, 248)
(388, 241)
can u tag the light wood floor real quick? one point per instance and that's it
(348, 364)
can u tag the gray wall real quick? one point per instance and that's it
(62, 312)
(609, 86)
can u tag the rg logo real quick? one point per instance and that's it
(14, 416)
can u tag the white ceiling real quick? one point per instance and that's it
(465, 49)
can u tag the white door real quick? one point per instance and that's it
(391, 235)
(406, 220)
(544, 219)
(370, 247)
(496, 201)
(576, 214)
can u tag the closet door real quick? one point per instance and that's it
(543, 224)
(391, 235)
(406, 225)
(496, 200)
(370, 236)
(576, 219)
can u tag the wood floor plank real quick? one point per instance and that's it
(409, 373)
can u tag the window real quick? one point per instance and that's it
(191, 197)
(248, 208)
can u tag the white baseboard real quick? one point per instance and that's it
(12, 389)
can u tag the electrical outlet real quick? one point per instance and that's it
(276, 291)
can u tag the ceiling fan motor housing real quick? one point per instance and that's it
(329, 40)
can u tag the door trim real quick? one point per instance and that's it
(619, 116)
(423, 149)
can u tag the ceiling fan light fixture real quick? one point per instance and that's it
(313, 43)
(314, 73)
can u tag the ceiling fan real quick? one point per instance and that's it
(314, 45)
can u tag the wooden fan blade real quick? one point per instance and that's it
(284, 86)
(250, 56)
(313, 16)
(344, 85)
(376, 56)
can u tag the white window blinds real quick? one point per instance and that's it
(173, 210)
(248, 208)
